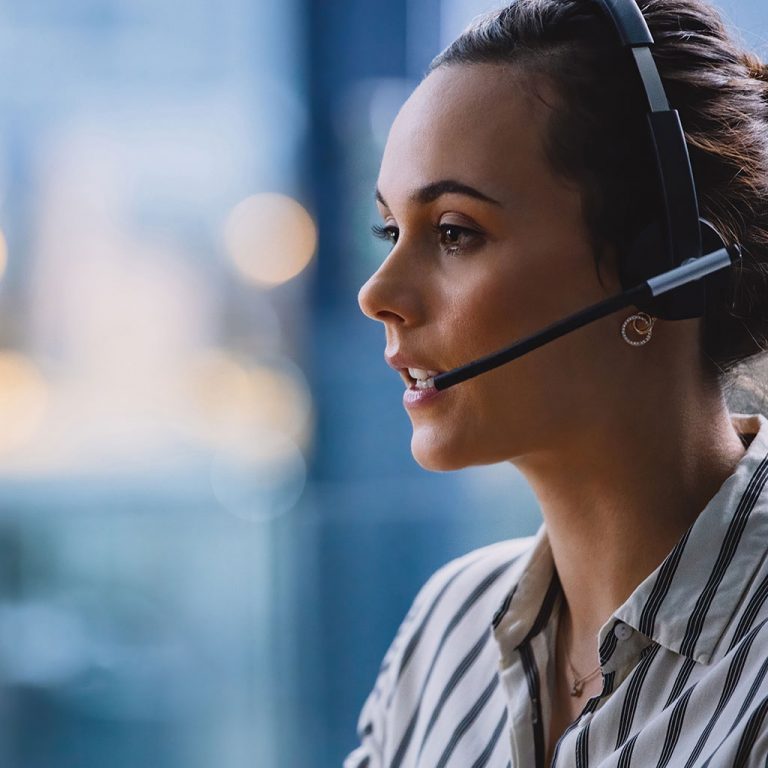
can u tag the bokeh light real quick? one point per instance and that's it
(270, 238)
(236, 400)
(262, 482)
(23, 400)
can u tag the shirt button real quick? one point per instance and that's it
(622, 631)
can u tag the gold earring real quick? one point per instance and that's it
(645, 329)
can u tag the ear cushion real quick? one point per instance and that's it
(647, 256)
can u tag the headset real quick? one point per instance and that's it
(663, 268)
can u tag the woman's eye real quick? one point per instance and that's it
(385, 233)
(455, 238)
(452, 237)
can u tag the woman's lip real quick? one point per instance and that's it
(415, 398)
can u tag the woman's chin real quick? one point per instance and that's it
(437, 455)
(438, 451)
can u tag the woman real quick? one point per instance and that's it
(632, 629)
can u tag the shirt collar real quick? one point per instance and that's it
(527, 605)
(688, 602)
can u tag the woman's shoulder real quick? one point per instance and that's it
(449, 608)
(477, 570)
(459, 596)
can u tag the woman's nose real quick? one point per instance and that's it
(387, 297)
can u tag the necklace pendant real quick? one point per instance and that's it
(576, 688)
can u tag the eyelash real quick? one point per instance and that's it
(388, 232)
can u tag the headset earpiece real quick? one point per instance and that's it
(646, 256)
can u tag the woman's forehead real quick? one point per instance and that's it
(467, 122)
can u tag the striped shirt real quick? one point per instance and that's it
(465, 682)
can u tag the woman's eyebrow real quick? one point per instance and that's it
(430, 192)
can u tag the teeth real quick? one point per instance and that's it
(420, 374)
(425, 383)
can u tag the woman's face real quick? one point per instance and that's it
(473, 271)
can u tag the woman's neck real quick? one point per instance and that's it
(615, 503)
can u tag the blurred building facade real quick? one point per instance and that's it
(210, 521)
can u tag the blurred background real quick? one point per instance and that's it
(211, 524)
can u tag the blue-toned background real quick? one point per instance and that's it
(210, 521)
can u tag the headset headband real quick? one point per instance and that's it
(678, 237)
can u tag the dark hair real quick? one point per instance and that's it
(598, 138)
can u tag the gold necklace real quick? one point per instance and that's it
(577, 685)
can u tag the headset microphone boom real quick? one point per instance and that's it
(693, 269)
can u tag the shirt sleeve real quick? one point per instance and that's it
(373, 720)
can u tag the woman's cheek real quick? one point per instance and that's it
(492, 316)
